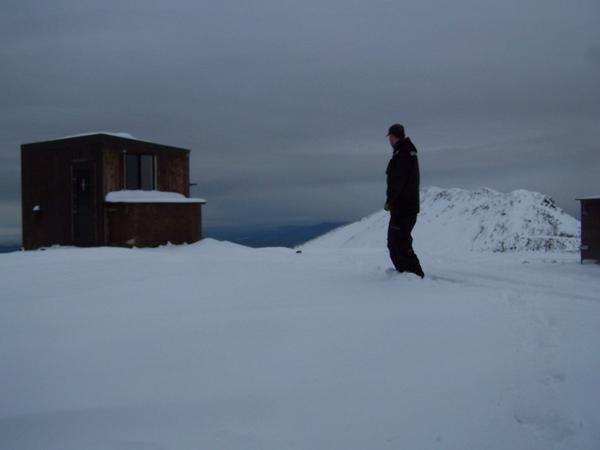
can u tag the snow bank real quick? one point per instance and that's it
(139, 196)
(218, 346)
(458, 220)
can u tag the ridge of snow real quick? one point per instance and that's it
(139, 196)
(457, 220)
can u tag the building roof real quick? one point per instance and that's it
(104, 134)
(592, 197)
(91, 133)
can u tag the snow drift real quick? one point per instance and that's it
(457, 220)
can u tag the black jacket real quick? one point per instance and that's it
(403, 178)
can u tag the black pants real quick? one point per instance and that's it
(400, 243)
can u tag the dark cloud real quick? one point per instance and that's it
(285, 103)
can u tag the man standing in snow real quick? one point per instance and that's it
(402, 201)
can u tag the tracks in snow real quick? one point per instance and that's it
(513, 282)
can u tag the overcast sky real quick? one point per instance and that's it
(285, 104)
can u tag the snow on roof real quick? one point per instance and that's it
(126, 196)
(592, 197)
(110, 133)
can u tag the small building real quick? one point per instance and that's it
(590, 228)
(107, 189)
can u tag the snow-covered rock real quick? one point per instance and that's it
(458, 220)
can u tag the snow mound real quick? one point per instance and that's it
(483, 220)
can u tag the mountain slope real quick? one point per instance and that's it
(457, 220)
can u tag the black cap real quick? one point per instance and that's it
(397, 130)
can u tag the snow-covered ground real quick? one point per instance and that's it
(218, 346)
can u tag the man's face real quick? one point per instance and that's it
(393, 139)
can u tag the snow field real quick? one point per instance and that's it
(218, 346)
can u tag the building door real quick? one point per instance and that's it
(83, 206)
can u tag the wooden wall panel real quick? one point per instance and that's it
(46, 181)
(590, 229)
(153, 224)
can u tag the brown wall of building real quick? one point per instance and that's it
(152, 224)
(46, 180)
(173, 173)
(590, 229)
(113, 172)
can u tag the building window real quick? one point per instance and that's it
(139, 172)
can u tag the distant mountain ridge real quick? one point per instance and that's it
(268, 236)
(273, 236)
(455, 220)
(9, 248)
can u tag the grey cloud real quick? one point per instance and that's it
(285, 103)
(593, 54)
